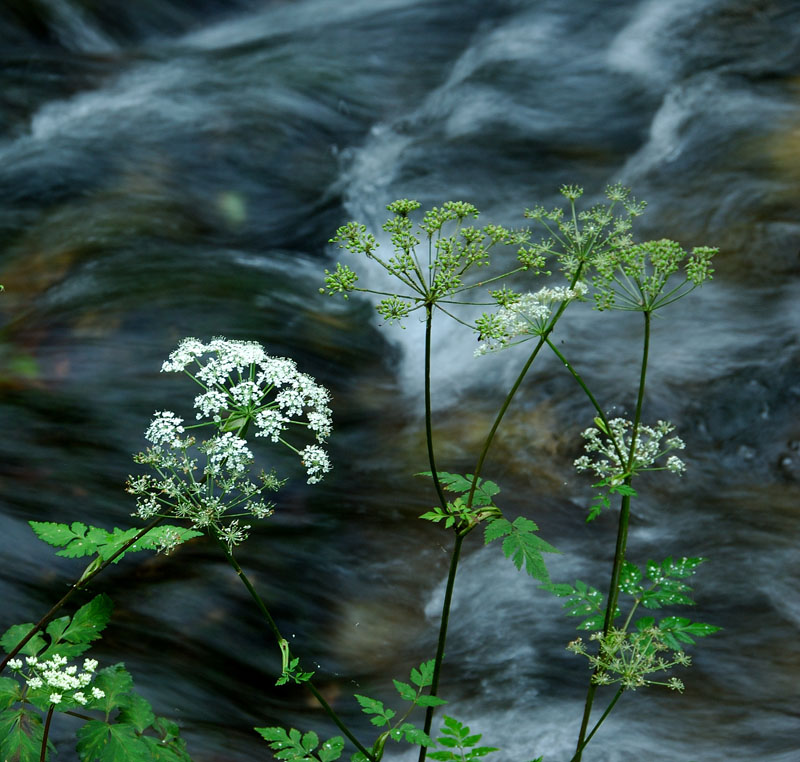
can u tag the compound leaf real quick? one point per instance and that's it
(135, 710)
(103, 742)
(16, 633)
(21, 736)
(523, 546)
(89, 620)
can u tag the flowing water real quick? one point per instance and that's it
(172, 168)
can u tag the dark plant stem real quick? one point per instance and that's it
(622, 535)
(428, 413)
(437, 665)
(479, 465)
(46, 733)
(79, 584)
(277, 633)
(599, 723)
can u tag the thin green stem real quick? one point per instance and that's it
(80, 583)
(601, 414)
(605, 714)
(499, 417)
(277, 633)
(622, 531)
(437, 665)
(510, 396)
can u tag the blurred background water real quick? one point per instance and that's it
(173, 168)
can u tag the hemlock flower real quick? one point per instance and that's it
(631, 657)
(522, 317)
(604, 450)
(56, 681)
(244, 390)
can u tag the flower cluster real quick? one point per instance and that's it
(521, 317)
(628, 658)
(454, 252)
(57, 681)
(243, 388)
(636, 277)
(609, 451)
(579, 240)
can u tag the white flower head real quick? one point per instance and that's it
(245, 392)
(165, 429)
(316, 461)
(607, 453)
(527, 316)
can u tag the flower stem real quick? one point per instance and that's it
(277, 633)
(622, 535)
(46, 733)
(598, 724)
(80, 583)
(437, 665)
(588, 393)
(428, 414)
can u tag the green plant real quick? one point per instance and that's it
(211, 485)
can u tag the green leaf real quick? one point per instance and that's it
(58, 535)
(55, 629)
(594, 622)
(430, 701)
(89, 620)
(9, 692)
(414, 735)
(171, 751)
(630, 577)
(560, 590)
(102, 742)
(163, 534)
(136, 710)
(481, 751)
(108, 543)
(310, 741)
(496, 528)
(116, 683)
(645, 623)
(523, 546)
(683, 567)
(21, 735)
(80, 545)
(676, 630)
(407, 693)
(294, 746)
(373, 706)
(484, 490)
(16, 633)
(423, 677)
(331, 749)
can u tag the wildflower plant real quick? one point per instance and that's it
(203, 475)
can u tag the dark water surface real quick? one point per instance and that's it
(175, 168)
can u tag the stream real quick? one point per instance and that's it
(172, 168)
